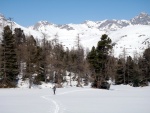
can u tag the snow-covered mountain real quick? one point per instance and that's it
(133, 35)
(13, 25)
(133, 39)
(105, 25)
(142, 19)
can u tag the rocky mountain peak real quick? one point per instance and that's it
(43, 22)
(40, 24)
(142, 18)
(143, 14)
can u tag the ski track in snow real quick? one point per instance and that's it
(53, 101)
(57, 108)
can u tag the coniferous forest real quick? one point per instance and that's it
(47, 61)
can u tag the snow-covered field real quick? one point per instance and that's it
(119, 99)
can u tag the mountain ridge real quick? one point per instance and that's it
(91, 31)
(112, 25)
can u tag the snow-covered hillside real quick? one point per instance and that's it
(131, 34)
(134, 39)
(13, 25)
(119, 99)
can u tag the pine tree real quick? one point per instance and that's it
(92, 60)
(136, 76)
(39, 67)
(143, 72)
(129, 70)
(102, 50)
(91, 57)
(146, 56)
(99, 59)
(9, 66)
(20, 41)
(79, 60)
(31, 58)
(119, 78)
(144, 65)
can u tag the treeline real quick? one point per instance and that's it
(38, 60)
(47, 61)
(124, 70)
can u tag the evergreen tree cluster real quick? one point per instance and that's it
(37, 61)
(104, 66)
(9, 66)
(47, 61)
(133, 72)
(99, 58)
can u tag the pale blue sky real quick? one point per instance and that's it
(28, 12)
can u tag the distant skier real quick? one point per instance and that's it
(54, 89)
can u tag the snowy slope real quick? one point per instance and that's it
(133, 35)
(5, 22)
(68, 37)
(119, 99)
(130, 34)
(134, 39)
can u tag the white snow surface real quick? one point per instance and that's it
(119, 99)
(134, 38)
